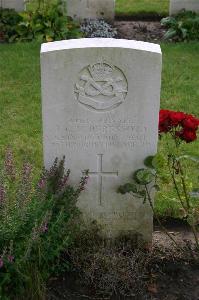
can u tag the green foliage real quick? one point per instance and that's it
(9, 19)
(144, 176)
(46, 24)
(189, 157)
(36, 225)
(169, 169)
(127, 188)
(182, 27)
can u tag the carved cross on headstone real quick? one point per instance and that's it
(100, 173)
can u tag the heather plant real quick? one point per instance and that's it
(177, 129)
(98, 28)
(36, 225)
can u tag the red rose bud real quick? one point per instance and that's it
(176, 118)
(164, 123)
(190, 122)
(164, 116)
(188, 135)
(163, 128)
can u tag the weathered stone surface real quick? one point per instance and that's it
(18, 5)
(91, 9)
(100, 110)
(178, 5)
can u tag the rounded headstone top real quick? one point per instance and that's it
(100, 43)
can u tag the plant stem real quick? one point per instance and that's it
(157, 218)
(193, 227)
(187, 206)
(184, 185)
(176, 186)
(195, 233)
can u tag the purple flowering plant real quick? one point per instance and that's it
(37, 223)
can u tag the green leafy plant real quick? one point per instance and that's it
(179, 128)
(36, 225)
(47, 23)
(182, 27)
(9, 19)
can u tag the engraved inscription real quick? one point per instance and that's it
(82, 133)
(101, 86)
(100, 173)
(117, 219)
(117, 215)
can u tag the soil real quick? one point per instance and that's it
(172, 274)
(150, 31)
(177, 276)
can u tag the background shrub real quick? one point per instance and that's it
(182, 27)
(46, 23)
(9, 19)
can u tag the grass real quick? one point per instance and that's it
(130, 8)
(20, 104)
(180, 91)
(180, 77)
(20, 108)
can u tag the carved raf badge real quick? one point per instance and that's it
(101, 86)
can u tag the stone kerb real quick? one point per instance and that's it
(18, 5)
(91, 9)
(177, 5)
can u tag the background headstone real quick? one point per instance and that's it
(91, 9)
(100, 109)
(177, 5)
(18, 5)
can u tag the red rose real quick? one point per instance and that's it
(190, 122)
(176, 118)
(164, 123)
(164, 114)
(188, 135)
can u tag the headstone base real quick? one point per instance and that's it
(177, 5)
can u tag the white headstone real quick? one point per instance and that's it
(100, 109)
(18, 5)
(91, 9)
(177, 5)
